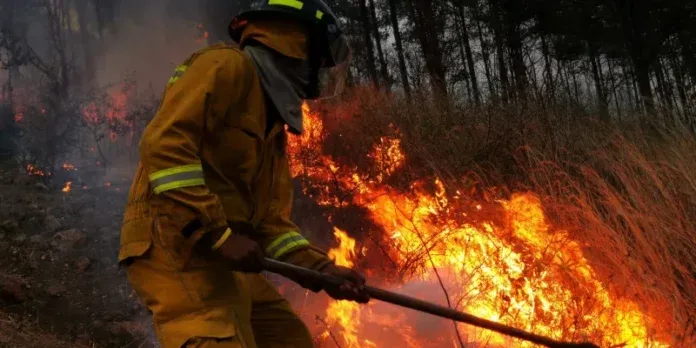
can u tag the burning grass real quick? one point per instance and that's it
(519, 217)
(526, 216)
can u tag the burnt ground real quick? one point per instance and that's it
(60, 285)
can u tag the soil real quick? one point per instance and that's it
(60, 285)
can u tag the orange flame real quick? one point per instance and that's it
(32, 170)
(67, 187)
(343, 314)
(387, 156)
(19, 114)
(111, 112)
(69, 167)
(204, 33)
(499, 260)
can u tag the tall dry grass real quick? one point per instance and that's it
(627, 191)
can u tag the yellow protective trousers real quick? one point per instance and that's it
(208, 305)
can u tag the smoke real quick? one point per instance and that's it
(147, 40)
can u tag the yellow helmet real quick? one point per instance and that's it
(306, 30)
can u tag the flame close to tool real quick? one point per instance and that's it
(499, 260)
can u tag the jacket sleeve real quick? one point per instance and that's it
(281, 237)
(197, 98)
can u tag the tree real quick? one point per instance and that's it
(428, 29)
(394, 19)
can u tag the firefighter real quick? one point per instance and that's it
(212, 193)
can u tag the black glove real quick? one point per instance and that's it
(242, 253)
(352, 288)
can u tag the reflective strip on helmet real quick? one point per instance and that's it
(285, 243)
(289, 3)
(177, 177)
(320, 15)
(178, 72)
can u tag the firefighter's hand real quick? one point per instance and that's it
(243, 253)
(353, 287)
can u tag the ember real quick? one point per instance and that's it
(499, 260)
(69, 167)
(67, 187)
(203, 33)
(32, 170)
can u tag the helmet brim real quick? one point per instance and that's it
(275, 13)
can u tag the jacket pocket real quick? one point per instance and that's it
(136, 238)
(170, 234)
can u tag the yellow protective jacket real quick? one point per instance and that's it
(212, 158)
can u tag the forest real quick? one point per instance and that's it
(527, 161)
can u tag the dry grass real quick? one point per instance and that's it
(16, 333)
(634, 203)
(628, 191)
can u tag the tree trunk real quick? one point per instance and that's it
(601, 98)
(465, 72)
(575, 86)
(89, 72)
(632, 86)
(426, 28)
(614, 88)
(633, 18)
(642, 72)
(378, 40)
(663, 86)
(688, 55)
(563, 69)
(399, 47)
(393, 16)
(514, 43)
(679, 81)
(548, 75)
(534, 79)
(370, 58)
(500, 51)
(485, 55)
(469, 56)
(628, 83)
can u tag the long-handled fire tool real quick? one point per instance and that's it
(291, 271)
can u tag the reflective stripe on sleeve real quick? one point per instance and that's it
(178, 72)
(177, 177)
(285, 243)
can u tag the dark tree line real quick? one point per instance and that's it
(617, 57)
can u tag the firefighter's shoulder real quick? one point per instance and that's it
(229, 62)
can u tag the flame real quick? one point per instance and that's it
(32, 170)
(19, 114)
(499, 260)
(388, 156)
(111, 112)
(203, 33)
(69, 167)
(344, 315)
(67, 187)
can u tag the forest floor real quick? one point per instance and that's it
(60, 285)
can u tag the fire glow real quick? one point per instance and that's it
(32, 170)
(498, 260)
